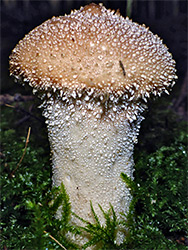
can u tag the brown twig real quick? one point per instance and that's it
(10, 106)
(6, 98)
(28, 114)
(55, 240)
(21, 159)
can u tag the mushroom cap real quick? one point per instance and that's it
(94, 48)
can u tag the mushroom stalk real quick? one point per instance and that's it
(91, 146)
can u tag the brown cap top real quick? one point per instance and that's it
(94, 48)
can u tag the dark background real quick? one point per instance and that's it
(168, 19)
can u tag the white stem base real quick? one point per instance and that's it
(89, 153)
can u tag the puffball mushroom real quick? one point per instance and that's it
(94, 71)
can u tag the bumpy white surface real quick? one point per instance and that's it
(90, 150)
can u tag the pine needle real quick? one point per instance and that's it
(55, 240)
(21, 159)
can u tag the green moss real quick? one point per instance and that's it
(160, 213)
(29, 180)
(101, 236)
